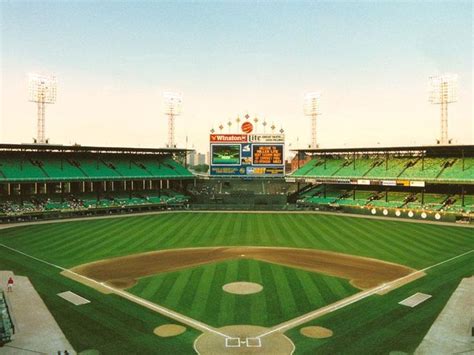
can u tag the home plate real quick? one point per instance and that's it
(73, 298)
(415, 300)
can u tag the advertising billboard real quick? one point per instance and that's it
(247, 155)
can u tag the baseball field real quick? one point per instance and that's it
(344, 275)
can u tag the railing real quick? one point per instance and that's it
(7, 327)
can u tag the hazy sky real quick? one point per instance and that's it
(370, 60)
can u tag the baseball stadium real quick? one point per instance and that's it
(266, 246)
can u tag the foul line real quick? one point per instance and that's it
(33, 257)
(278, 328)
(157, 308)
(348, 301)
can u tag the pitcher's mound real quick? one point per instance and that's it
(316, 332)
(169, 330)
(242, 288)
(243, 339)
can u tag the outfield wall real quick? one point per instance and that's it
(288, 208)
(403, 213)
(393, 213)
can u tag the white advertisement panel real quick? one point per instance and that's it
(267, 138)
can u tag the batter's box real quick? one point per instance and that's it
(254, 343)
(232, 342)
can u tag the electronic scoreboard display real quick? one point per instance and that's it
(227, 154)
(256, 155)
(267, 154)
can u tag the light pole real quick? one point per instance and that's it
(312, 109)
(443, 91)
(173, 105)
(42, 90)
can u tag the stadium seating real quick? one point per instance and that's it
(166, 198)
(39, 168)
(19, 169)
(430, 168)
(456, 171)
(340, 196)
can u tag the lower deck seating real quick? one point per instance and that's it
(391, 199)
(71, 203)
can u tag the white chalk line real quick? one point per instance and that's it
(349, 300)
(32, 257)
(286, 325)
(159, 309)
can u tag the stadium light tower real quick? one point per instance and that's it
(443, 91)
(173, 103)
(42, 90)
(311, 109)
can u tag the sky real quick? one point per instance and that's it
(113, 59)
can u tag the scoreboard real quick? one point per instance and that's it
(256, 155)
(267, 154)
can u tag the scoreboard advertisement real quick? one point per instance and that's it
(247, 155)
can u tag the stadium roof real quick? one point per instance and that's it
(86, 149)
(466, 149)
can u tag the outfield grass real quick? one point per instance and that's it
(69, 244)
(287, 292)
(375, 325)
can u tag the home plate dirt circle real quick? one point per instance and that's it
(242, 288)
(242, 339)
(316, 332)
(169, 330)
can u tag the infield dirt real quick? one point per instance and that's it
(316, 332)
(123, 272)
(169, 330)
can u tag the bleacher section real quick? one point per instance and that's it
(167, 198)
(415, 182)
(270, 194)
(416, 168)
(41, 168)
(55, 181)
(333, 195)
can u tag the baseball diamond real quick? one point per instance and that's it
(236, 177)
(333, 265)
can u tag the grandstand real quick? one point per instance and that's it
(47, 181)
(437, 179)
(39, 180)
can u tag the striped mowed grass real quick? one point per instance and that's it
(374, 325)
(73, 243)
(287, 292)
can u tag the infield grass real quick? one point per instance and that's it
(287, 292)
(375, 325)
